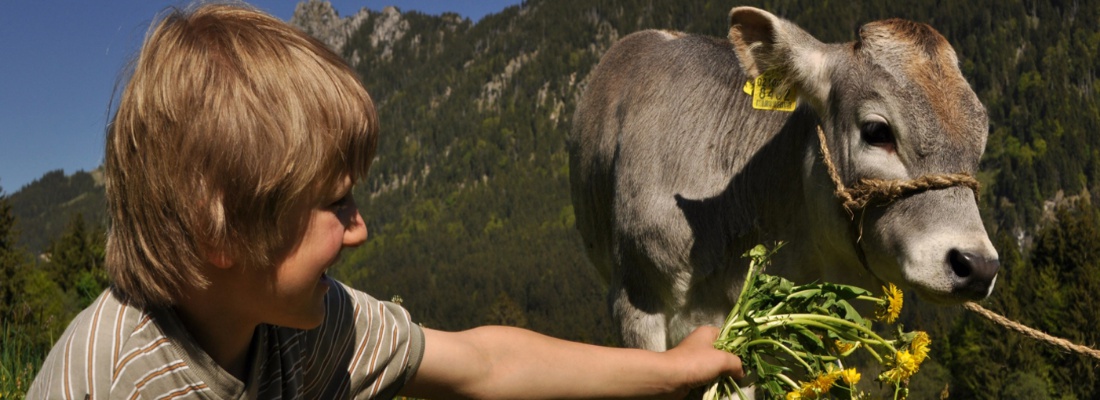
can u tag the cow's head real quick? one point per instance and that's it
(893, 105)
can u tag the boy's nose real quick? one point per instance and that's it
(355, 232)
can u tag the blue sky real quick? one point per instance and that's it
(60, 60)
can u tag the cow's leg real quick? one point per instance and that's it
(636, 296)
(641, 327)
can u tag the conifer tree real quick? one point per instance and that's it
(10, 258)
(76, 261)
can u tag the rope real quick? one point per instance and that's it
(884, 191)
(1032, 332)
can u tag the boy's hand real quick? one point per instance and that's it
(701, 362)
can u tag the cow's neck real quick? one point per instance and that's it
(789, 199)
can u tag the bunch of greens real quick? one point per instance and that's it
(782, 330)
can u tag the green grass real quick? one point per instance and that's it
(20, 358)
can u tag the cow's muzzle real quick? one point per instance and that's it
(974, 275)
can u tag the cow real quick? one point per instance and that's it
(674, 174)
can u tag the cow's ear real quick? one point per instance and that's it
(765, 42)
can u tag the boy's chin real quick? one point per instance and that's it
(307, 322)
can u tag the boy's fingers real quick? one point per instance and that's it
(733, 367)
(736, 371)
(727, 364)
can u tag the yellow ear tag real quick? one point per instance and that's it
(764, 91)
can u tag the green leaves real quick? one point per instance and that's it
(783, 330)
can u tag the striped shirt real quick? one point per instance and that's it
(365, 348)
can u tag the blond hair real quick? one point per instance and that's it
(232, 126)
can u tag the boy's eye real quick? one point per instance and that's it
(341, 203)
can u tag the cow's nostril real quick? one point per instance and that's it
(960, 263)
(974, 273)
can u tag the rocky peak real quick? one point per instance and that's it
(320, 20)
(388, 29)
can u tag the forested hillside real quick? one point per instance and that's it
(468, 202)
(42, 208)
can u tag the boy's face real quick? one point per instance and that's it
(293, 292)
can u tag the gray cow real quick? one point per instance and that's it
(675, 174)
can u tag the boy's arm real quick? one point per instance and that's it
(512, 363)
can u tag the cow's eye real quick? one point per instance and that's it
(877, 134)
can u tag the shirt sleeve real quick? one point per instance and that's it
(364, 348)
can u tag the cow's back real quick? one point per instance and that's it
(663, 115)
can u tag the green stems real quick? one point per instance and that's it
(775, 325)
(797, 355)
(780, 320)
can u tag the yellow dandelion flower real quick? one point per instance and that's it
(804, 391)
(890, 311)
(810, 390)
(905, 365)
(850, 376)
(822, 383)
(919, 346)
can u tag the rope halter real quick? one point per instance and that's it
(885, 191)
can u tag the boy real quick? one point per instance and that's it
(230, 163)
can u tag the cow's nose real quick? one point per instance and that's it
(974, 274)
